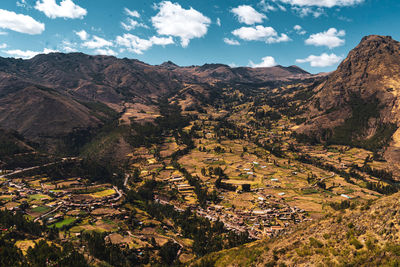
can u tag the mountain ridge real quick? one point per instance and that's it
(360, 100)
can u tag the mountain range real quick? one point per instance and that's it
(49, 96)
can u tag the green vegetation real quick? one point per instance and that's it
(65, 222)
(353, 129)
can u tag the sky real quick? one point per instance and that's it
(315, 35)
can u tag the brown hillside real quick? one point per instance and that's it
(360, 100)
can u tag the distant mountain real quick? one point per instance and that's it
(359, 102)
(49, 96)
(224, 73)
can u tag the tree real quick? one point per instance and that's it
(246, 187)
(168, 252)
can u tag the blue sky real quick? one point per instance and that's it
(313, 34)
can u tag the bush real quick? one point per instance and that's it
(316, 243)
(357, 244)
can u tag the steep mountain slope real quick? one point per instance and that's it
(367, 235)
(359, 102)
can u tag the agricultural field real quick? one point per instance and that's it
(236, 171)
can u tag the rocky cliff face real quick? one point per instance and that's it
(360, 101)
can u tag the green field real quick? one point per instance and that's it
(40, 209)
(103, 193)
(38, 197)
(66, 221)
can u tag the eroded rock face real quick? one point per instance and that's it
(367, 81)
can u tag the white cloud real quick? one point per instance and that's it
(138, 45)
(324, 60)
(299, 30)
(2, 46)
(248, 15)
(132, 13)
(173, 20)
(266, 7)
(231, 41)
(96, 43)
(68, 47)
(106, 52)
(329, 38)
(161, 40)
(83, 35)
(260, 33)
(305, 11)
(66, 9)
(266, 62)
(132, 24)
(257, 33)
(21, 3)
(322, 3)
(28, 53)
(219, 22)
(278, 39)
(20, 23)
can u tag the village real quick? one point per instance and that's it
(254, 191)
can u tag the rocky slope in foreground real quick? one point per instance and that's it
(363, 235)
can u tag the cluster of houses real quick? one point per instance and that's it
(258, 222)
(267, 220)
(67, 200)
(181, 184)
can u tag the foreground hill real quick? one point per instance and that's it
(359, 235)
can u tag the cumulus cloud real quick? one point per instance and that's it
(266, 62)
(260, 33)
(96, 43)
(28, 53)
(231, 41)
(132, 13)
(138, 45)
(83, 35)
(20, 23)
(266, 7)
(173, 20)
(324, 60)
(278, 39)
(299, 30)
(322, 3)
(68, 47)
(219, 22)
(66, 9)
(132, 24)
(106, 52)
(2, 46)
(329, 38)
(248, 15)
(305, 11)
